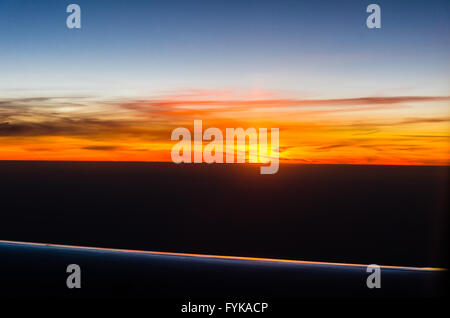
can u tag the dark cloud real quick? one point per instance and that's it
(103, 147)
(60, 127)
(41, 116)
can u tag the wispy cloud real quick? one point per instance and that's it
(102, 147)
(177, 106)
(89, 127)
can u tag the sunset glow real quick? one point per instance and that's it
(372, 130)
(339, 92)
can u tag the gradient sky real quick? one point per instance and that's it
(114, 90)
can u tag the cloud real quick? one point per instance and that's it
(425, 120)
(373, 126)
(170, 104)
(102, 147)
(424, 136)
(60, 127)
(153, 119)
(333, 146)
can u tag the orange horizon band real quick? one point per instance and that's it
(282, 162)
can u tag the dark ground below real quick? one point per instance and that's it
(390, 215)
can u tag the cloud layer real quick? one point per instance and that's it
(391, 129)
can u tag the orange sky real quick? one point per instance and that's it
(407, 130)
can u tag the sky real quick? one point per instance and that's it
(116, 88)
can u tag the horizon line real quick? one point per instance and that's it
(287, 162)
(224, 257)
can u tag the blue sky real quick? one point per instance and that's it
(298, 48)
